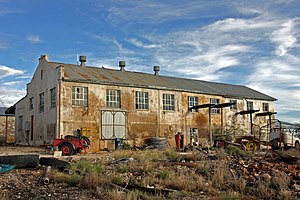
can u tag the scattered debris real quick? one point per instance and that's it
(5, 168)
(155, 143)
(54, 162)
(45, 179)
(122, 160)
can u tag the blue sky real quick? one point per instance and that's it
(253, 43)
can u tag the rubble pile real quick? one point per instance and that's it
(205, 173)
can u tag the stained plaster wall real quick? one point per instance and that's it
(41, 124)
(142, 124)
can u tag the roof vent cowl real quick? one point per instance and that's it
(82, 60)
(122, 65)
(156, 70)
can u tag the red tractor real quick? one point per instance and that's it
(71, 145)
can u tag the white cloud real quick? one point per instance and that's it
(11, 83)
(145, 11)
(34, 39)
(122, 50)
(284, 38)
(141, 44)
(7, 71)
(257, 46)
(279, 77)
(10, 96)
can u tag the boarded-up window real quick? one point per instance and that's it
(113, 124)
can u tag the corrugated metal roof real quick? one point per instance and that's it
(137, 79)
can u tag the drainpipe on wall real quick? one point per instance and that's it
(59, 103)
(6, 131)
(158, 113)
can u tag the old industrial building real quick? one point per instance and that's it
(108, 104)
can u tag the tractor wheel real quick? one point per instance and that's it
(297, 146)
(67, 149)
(250, 146)
(87, 140)
(275, 144)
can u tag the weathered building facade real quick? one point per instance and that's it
(110, 104)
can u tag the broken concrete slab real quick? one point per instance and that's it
(20, 161)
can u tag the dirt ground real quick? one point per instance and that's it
(10, 150)
(27, 183)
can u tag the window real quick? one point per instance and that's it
(249, 105)
(265, 107)
(233, 107)
(53, 98)
(42, 74)
(42, 102)
(113, 98)
(141, 100)
(79, 96)
(192, 101)
(20, 123)
(216, 102)
(168, 102)
(31, 103)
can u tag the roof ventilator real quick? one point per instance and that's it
(156, 70)
(122, 65)
(82, 60)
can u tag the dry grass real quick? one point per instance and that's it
(239, 185)
(189, 183)
(272, 187)
(4, 195)
(145, 169)
(218, 178)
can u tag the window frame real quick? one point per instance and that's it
(31, 103)
(265, 107)
(79, 96)
(234, 106)
(192, 101)
(113, 98)
(250, 105)
(215, 101)
(42, 102)
(168, 102)
(53, 97)
(42, 74)
(141, 100)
